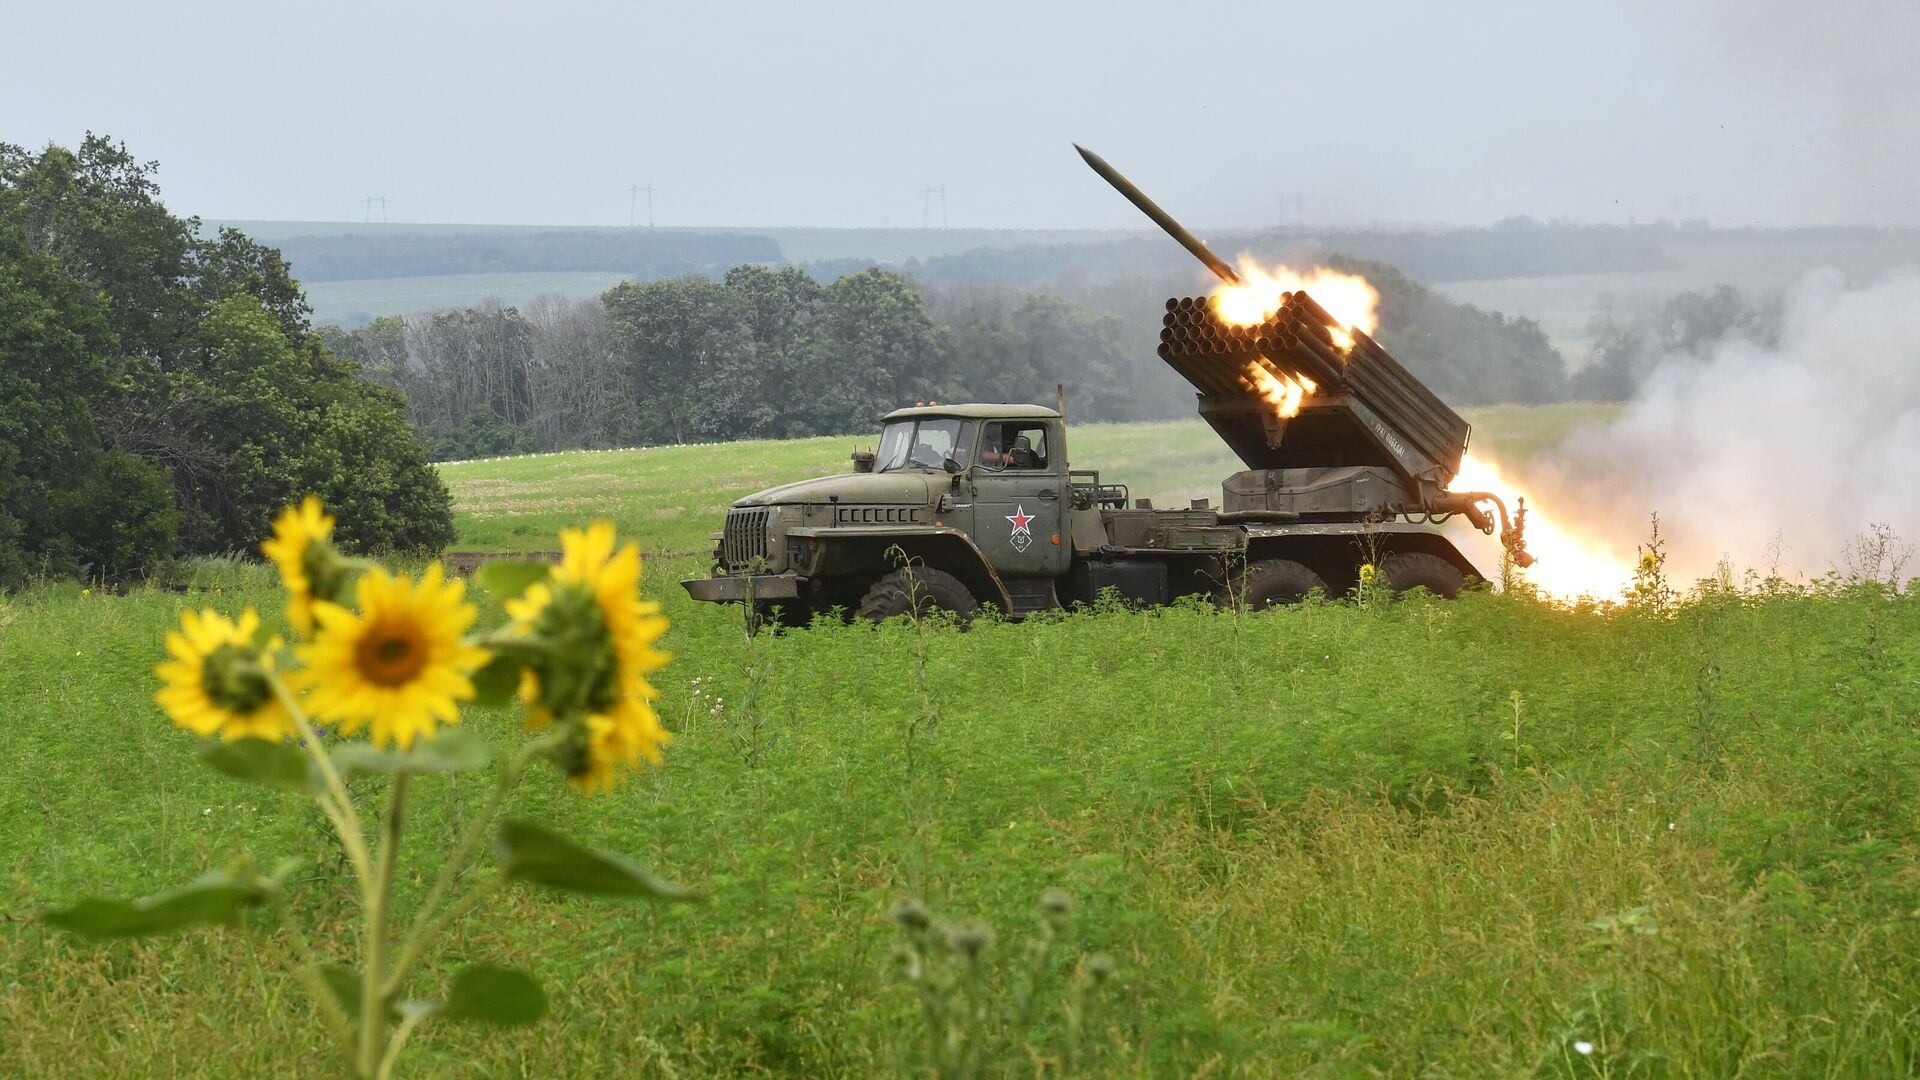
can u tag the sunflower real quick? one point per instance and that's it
(624, 735)
(301, 539)
(217, 680)
(399, 663)
(597, 584)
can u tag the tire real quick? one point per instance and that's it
(1416, 569)
(1270, 583)
(917, 590)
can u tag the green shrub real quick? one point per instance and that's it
(120, 520)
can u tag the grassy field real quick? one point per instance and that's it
(1480, 838)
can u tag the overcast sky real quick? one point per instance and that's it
(805, 113)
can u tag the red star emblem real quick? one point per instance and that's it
(1020, 518)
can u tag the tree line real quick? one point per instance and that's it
(773, 352)
(162, 393)
(763, 352)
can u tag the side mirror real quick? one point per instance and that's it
(951, 466)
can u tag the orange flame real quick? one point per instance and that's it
(1349, 298)
(1284, 393)
(1569, 566)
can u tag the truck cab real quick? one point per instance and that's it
(1008, 477)
(959, 506)
(972, 495)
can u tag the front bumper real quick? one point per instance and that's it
(734, 588)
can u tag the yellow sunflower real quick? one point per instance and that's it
(297, 535)
(400, 663)
(217, 680)
(624, 735)
(620, 724)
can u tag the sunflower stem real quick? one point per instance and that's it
(398, 1043)
(427, 923)
(339, 809)
(373, 948)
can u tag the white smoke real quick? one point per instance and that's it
(1773, 457)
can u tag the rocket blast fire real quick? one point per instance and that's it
(1260, 294)
(1284, 393)
(1349, 298)
(1569, 565)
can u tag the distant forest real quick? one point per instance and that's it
(777, 353)
(1517, 247)
(639, 253)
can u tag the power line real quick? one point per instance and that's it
(926, 206)
(372, 199)
(633, 203)
(1299, 214)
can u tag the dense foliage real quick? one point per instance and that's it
(761, 353)
(160, 391)
(774, 353)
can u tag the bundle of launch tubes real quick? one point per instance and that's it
(1297, 340)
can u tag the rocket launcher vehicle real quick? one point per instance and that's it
(1356, 434)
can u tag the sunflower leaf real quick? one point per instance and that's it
(498, 681)
(452, 750)
(275, 764)
(495, 683)
(216, 897)
(506, 579)
(491, 994)
(345, 983)
(537, 855)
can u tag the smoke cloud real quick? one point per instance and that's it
(1774, 457)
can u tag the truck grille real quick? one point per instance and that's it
(878, 515)
(745, 540)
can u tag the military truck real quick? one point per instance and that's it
(1348, 466)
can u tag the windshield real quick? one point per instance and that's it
(924, 444)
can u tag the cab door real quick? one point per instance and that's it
(1019, 491)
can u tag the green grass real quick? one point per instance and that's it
(1414, 839)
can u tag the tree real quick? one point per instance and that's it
(685, 355)
(196, 357)
(876, 349)
(780, 310)
(68, 501)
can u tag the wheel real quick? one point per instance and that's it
(917, 590)
(1270, 583)
(1413, 569)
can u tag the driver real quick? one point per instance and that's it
(999, 452)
